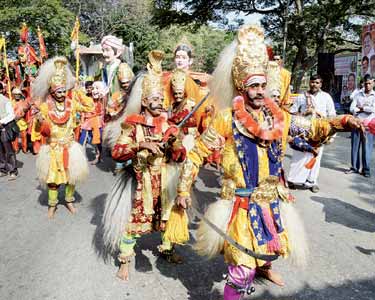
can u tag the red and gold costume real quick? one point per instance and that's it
(21, 110)
(178, 110)
(151, 203)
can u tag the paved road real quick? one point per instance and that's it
(63, 259)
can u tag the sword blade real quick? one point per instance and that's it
(231, 241)
(193, 111)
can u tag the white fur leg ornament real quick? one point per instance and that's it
(296, 234)
(42, 164)
(78, 168)
(209, 243)
(118, 208)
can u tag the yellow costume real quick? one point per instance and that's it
(254, 209)
(61, 160)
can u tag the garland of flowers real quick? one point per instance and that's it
(157, 122)
(54, 116)
(247, 121)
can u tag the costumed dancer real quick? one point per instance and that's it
(62, 161)
(183, 59)
(93, 122)
(137, 208)
(117, 76)
(181, 106)
(21, 107)
(26, 67)
(254, 211)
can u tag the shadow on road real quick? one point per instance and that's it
(340, 212)
(197, 274)
(43, 197)
(365, 251)
(97, 205)
(359, 290)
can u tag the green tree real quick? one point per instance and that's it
(55, 21)
(312, 26)
(133, 22)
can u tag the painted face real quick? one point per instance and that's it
(315, 85)
(364, 66)
(153, 104)
(256, 88)
(125, 85)
(17, 96)
(22, 57)
(109, 54)
(275, 96)
(95, 92)
(182, 60)
(179, 95)
(59, 95)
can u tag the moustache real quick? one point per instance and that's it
(156, 107)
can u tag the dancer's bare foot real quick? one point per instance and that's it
(271, 276)
(51, 212)
(96, 160)
(123, 272)
(71, 208)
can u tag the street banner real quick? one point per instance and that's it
(368, 50)
(346, 66)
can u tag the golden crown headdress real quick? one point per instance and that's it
(125, 73)
(184, 42)
(58, 79)
(251, 56)
(152, 82)
(178, 80)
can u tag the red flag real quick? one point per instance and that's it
(24, 33)
(42, 45)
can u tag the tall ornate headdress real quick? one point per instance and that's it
(184, 43)
(251, 55)
(273, 78)
(58, 79)
(178, 80)
(152, 81)
(53, 72)
(125, 73)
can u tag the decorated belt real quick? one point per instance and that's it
(242, 192)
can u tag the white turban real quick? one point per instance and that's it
(114, 42)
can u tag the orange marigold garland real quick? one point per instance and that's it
(253, 126)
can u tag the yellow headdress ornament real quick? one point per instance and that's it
(184, 43)
(152, 82)
(58, 78)
(125, 73)
(273, 78)
(251, 56)
(178, 80)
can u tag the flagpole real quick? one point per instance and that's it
(40, 53)
(77, 49)
(7, 68)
